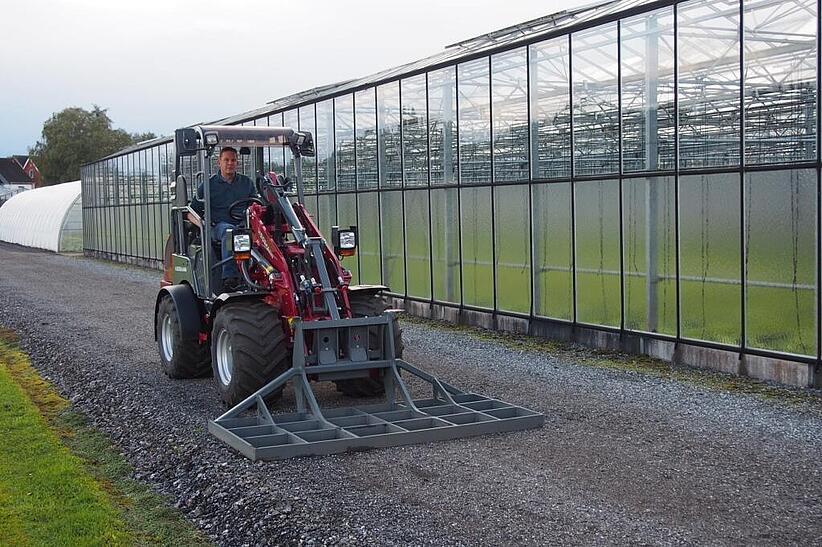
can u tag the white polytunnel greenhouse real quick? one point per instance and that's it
(47, 218)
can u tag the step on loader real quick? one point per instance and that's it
(294, 318)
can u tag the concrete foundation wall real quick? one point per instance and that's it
(783, 371)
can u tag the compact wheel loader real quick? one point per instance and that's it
(296, 318)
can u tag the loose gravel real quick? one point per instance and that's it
(623, 457)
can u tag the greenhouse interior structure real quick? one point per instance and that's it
(633, 175)
(49, 218)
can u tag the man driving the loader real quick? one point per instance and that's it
(225, 188)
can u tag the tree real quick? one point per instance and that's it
(76, 136)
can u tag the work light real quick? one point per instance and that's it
(242, 243)
(348, 240)
(345, 241)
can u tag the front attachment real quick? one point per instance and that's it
(341, 350)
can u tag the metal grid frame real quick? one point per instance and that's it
(337, 352)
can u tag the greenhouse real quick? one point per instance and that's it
(635, 175)
(48, 218)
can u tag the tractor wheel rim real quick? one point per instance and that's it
(167, 334)
(225, 360)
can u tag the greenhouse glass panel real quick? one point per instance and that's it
(142, 210)
(133, 169)
(156, 243)
(308, 122)
(276, 156)
(780, 261)
(368, 211)
(158, 217)
(132, 216)
(414, 131)
(118, 181)
(327, 209)
(124, 241)
(550, 109)
(366, 124)
(509, 105)
(513, 244)
(597, 252)
(780, 81)
(344, 143)
(649, 243)
(104, 239)
(110, 229)
(166, 168)
(313, 208)
(474, 122)
(105, 213)
(445, 244)
(709, 240)
(442, 125)
(389, 144)
(477, 247)
(148, 233)
(553, 250)
(152, 175)
(243, 162)
(417, 244)
(393, 243)
(159, 236)
(647, 79)
(113, 186)
(324, 144)
(291, 120)
(92, 221)
(347, 216)
(266, 167)
(596, 100)
(708, 50)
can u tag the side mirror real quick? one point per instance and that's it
(180, 192)
(185, 141)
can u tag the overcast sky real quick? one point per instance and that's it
(161, 64)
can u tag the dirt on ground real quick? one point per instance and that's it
(623, 457)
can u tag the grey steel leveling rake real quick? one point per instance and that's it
(340, 351)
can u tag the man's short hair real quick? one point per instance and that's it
(228, 149)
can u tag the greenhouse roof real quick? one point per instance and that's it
(544, 27)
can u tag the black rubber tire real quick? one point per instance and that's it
(258, 347)
(370, 305)
(189, 358)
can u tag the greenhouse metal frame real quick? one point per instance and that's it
(648, 170)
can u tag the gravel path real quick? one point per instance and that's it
(622, 458)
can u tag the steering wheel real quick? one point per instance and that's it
(237, 209)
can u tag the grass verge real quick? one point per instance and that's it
(796, 397)
(62, 482)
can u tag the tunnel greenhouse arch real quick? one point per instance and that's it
(45, 218)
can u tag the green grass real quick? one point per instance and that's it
(46, 496)
(63, 483)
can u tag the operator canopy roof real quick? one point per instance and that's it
(300, 142)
